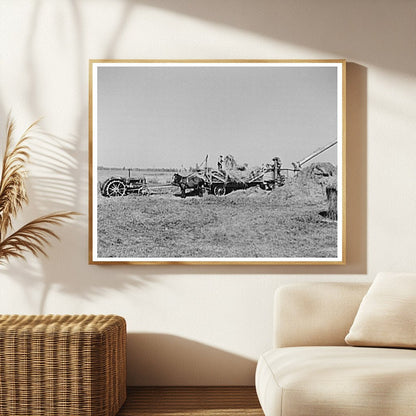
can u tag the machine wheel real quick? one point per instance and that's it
(144, 191)
(201, 191)
(269, 186)
(116, 188)
(219, 190)
(281, 180)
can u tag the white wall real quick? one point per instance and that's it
(204, 325)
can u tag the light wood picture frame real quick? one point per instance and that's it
(217, 162)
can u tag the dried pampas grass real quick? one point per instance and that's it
(34, 236)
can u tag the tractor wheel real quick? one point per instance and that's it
(116, 188)
(219, 190)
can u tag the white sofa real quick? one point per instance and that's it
(311, 371)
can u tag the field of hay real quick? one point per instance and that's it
(287, 222)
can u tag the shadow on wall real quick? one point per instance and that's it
(340, 28)
(356, 168)
(69, 148)
(161, 359)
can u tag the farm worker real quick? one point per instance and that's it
(268, 177)
(220, 162)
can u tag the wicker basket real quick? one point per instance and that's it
(54, 365)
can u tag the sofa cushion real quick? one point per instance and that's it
(342, 381)
(315, 314)
(387, 314)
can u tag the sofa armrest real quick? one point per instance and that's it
(309, 314)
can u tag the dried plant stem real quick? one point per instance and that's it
(34, 236)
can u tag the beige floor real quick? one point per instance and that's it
(187, 401)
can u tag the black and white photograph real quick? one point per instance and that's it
(217, 162)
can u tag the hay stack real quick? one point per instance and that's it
(318, 171)
(235, 172)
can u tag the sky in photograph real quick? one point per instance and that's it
(172, 117)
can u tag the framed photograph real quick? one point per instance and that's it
(217, 162)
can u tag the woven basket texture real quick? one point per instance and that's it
(56, 365)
